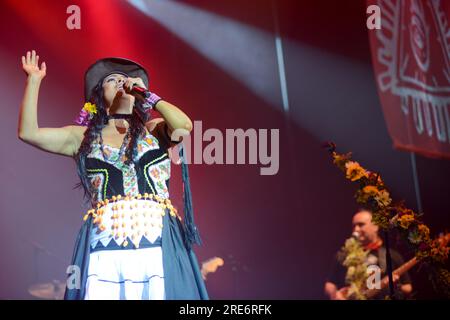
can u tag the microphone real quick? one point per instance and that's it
(143, 95)
(355, 235)
(141, 92)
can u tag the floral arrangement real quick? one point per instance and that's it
(354, 258)
(372, 193)
(86, 114)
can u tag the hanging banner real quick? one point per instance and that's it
(411, 60)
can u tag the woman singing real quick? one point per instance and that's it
(132, 243)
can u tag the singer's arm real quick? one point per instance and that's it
(173, 117)
(64, 141)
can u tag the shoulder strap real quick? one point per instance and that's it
(382, 259)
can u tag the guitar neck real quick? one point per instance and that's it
(406, 266)
(443, 241)
(385, 281)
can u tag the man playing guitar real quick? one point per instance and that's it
(367, 233)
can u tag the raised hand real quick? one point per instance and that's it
(30, 65)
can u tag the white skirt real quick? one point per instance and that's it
(126, 274)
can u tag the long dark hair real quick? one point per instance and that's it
(93, 132)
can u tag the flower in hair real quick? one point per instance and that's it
(86, 114)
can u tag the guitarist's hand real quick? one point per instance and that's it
(341, 294)
(385, 280)
(395, 277)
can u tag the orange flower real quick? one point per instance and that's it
(354, 171)
(405, 220)
(424, 231)
(370, 191)
(339, 159)
(383, 198)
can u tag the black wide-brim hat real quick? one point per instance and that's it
(106, 66)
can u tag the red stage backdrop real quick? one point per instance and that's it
(410, 55)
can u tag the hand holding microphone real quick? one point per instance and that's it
(136, 87)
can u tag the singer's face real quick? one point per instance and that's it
(113, 89)
(362, 223)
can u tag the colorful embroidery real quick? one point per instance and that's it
(130, 182)
(99, 182)
(159, 171)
